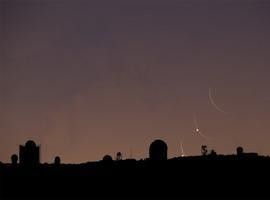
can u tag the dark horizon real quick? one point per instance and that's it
(35, 154)
(89, 78)
(209, 175)
(218, 177)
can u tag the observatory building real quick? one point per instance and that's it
(158, 150)
(29, 153)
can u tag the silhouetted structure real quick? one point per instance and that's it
(107, 158)
(29, 154)
(204, 150)
(158, 150)
(239, 151)
(57, 160)
(119, 156)
(210, 175)
(14, 159)
(213, 153)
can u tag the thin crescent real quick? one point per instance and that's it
(214, 104)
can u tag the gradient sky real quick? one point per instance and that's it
(89, 78)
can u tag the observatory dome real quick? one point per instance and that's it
(30, 143)
(158, 150)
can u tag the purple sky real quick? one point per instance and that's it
(89, 78)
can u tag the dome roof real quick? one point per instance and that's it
(30, 143)
(107, 158)
(158, 144)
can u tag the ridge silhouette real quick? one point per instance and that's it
(209, 175)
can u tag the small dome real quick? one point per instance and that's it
(239, 150)
(107, 158)
(30, 143)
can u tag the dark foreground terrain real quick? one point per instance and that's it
(203, 176)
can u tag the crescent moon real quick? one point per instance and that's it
(214, 104)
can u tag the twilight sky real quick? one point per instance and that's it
(89, 78)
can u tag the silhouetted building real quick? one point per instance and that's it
(213, 153)
(57, 160)
(239, 151)
(119, 156)
(29, 154)
(158, 150)
(107, 158)
(14, 159)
